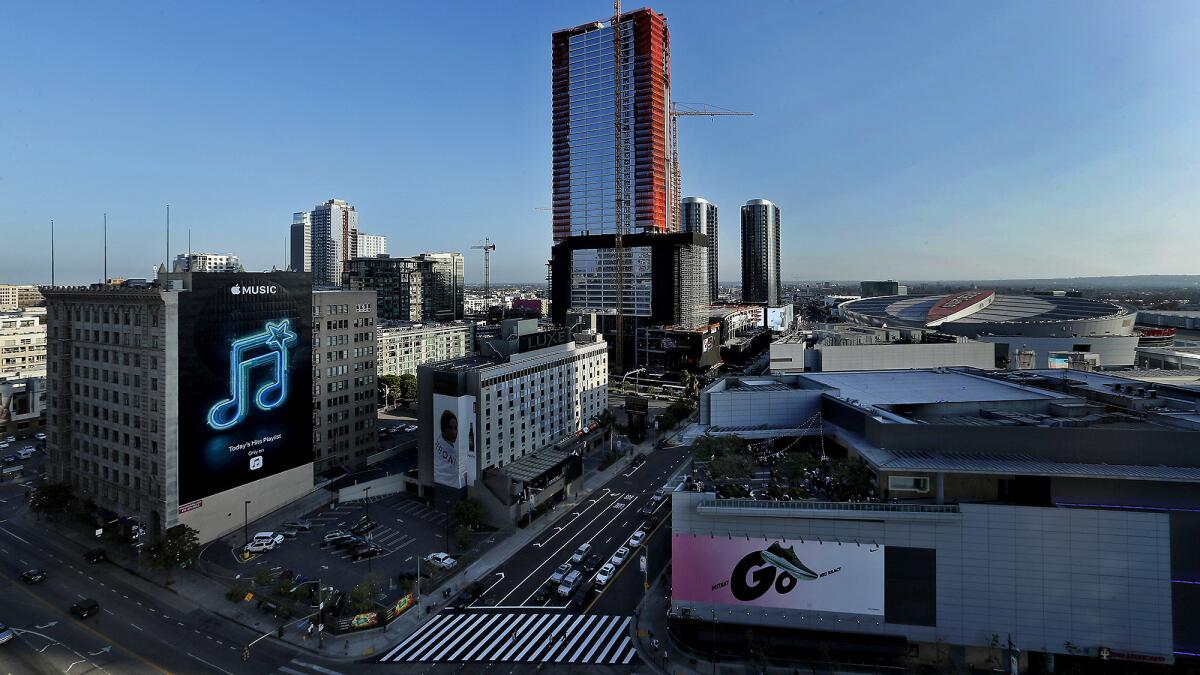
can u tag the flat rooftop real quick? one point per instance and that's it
(899, 387)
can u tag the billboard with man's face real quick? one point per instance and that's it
(245, 380)
(454, 457)
(808, 575)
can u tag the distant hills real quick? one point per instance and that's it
(1131, 281)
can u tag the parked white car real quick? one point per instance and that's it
(259, 546)
(273, 538)
(441, 560)
(637, 539)
(619, 557)
(605, 574)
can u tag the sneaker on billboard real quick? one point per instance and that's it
(786, 560)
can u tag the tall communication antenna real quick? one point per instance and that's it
(51, 251)
(619, 183)
(105, 279)
(167, 262)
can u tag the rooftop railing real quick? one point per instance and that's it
(828, 506)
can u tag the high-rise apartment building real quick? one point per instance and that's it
(371, 245)
(761, 280)
(18, 296)
(344, 373)
(206, 262)
(404, 346)
(442, 288)
(149, 411)
(396, 281)
(325, 239)
(700, 215)
(23, 342)
(584, 143)
(876, 289)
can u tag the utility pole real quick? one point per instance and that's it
(245, 526)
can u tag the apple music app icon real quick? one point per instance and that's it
(256, 462)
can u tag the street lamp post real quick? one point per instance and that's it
(246, 524)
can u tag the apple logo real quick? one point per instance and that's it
(236, 290)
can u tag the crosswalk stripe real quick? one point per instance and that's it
(596, 644)
(486, 644)
(481, 638)
(467, 644)
(616, 635)
(451, 631)
(626, 648)
(420, 645)
(578, 634)
(412, 639)
(561, 632)
(289, 671)
(528, 635)
(465, 638)
(583, 645)
(544, 630)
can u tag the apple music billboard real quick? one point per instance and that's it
(809, 575)
(245, 380)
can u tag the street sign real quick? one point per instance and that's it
(99, 532)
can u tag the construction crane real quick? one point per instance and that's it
(619, 184)
(487, 247)
(688, 110)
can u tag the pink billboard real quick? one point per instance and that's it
(808, 575)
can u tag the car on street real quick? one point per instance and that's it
(619, 557)
(637, 539)
(302, 525)
(580, 598)
(289, 532)
(85, 608)
(410, 428)
(40, 436)
(590, 563)
(441, 560)
(25, 453)
(543, 592)
(9, 459)
(570, 583)
(96, 555)
(6, 634)
(336, 534)
(647, 511)
(605, 574)
(639, 459)
(581, 553)
(10, 439)
(33, 576)
(560, 572)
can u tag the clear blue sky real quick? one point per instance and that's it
(911, 140)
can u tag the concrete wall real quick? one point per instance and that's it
(739, 407)
(223, 513)
(1047, 576)
(1114, 350)
(905, 356)
(387, 485)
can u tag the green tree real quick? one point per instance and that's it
(463, 537)
(710, 447)
(389, 384)
(177, 547)
(468, 512)
(408, 386)
(362, 596)
(731, 466)
(606, 417)
(852, 478)
(795, 463)
(51, 499)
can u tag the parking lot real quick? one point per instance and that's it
(405, 529)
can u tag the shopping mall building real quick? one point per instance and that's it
(1048, 516)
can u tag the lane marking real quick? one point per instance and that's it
(214, 667)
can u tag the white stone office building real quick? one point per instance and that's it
(18, 296)
(206, 262)
(23, 342)
(404, 346)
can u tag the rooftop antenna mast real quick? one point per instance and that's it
(619, 183)
(51, 251)
(105, 279)
(168, 260)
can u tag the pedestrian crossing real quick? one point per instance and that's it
(518, 638)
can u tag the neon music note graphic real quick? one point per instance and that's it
(276, 338)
